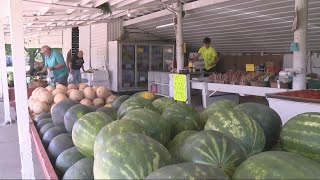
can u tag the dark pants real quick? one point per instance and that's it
(208, 72)
(63, 80)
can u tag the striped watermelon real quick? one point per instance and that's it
(117, 127)
(278, 165)
(130, 156)
(301, 134)
(162, 103)
(188, 171)
(215, 148)
(132, 104)
(182, 117)
(222, 104)
(158, 128)
(267, 118)
(83, 169)
(239, 126)
(86, 129)
(175, 145)
(146, 95)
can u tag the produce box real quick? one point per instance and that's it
(314, 84)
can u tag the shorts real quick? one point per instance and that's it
(63, 80)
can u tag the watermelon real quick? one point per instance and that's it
(41, 116)
(278, 165)
(45, 128)
(132, 104)
(109, 111)
(74, 113)
(50, 134)
(146, 95)
(86, 129)
(162, 103)
(59, 144)
(130, 156)
(83, 169)
(117, 127)
(66, 159)
(59, 110)
(267, 118)
(158, 128)
(301, 134)
(117, 103)
(222, 104)
(43, 122)
(175, 145)
(239, 126)
(215, 148)
(182, 117)
(188, 171)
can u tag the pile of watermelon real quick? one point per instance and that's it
(148, 137)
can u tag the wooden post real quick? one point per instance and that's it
(4, 79)
(179, 37)
(19, 72)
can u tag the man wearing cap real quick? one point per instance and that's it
(209, 55)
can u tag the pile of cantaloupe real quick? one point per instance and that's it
(43, 99)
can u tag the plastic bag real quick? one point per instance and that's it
(70, 78)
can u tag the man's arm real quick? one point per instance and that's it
(196, 57)
(43, 70)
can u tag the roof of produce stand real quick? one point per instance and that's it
(234, 25)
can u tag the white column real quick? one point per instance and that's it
(4, 79)
(19, 71)
(300, 37)
(179, 37)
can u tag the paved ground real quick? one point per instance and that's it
(10, 167)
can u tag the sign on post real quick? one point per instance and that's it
(180, 87)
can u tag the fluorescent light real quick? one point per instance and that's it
(165, 25)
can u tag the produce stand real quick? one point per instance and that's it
(288, 107)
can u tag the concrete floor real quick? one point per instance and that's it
(10, 167)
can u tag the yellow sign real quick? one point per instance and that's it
(250, 67)
(180, 87)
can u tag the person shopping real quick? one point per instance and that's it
(75, 65)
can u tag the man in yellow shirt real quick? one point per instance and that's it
(209, 55)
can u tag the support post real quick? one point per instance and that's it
(4, 78)
(19, 71)
(179, 37)
(300, 37)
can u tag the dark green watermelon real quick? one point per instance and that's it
(222, 104)
(182, 117)
(277, 165)
(175, 145)
(301, 134)
(239, 126)
(146, 95)
(158, 128)
(267, 118)
(109, 111)
(59, 144)
(117, 127)
(215, 148)
(50, 134)
(117, 103)
(86, 129)
(162, 103)
(189, 171)
(41, 116)
(66, 159)
(83, 169)
(132, 104)
(59, 110)
(130, 156)
(45, 128)
(43, 122)
(74, 113)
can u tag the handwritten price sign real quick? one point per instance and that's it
(180, 87)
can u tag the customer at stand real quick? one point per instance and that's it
(75, 65)
(209, 55)
(54, 61)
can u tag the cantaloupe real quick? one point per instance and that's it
(98, 102)
(46, 97)
(37, 91)
(59, 91)
(111, 98)
(86, 102)
(95, 87)
(72, 86)
(76, 95)
(103, 92)
(89, 93)
(50, 88)
(40, 107)
(31, 101)
(62, 87)
(59, 97)
(82, 85)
